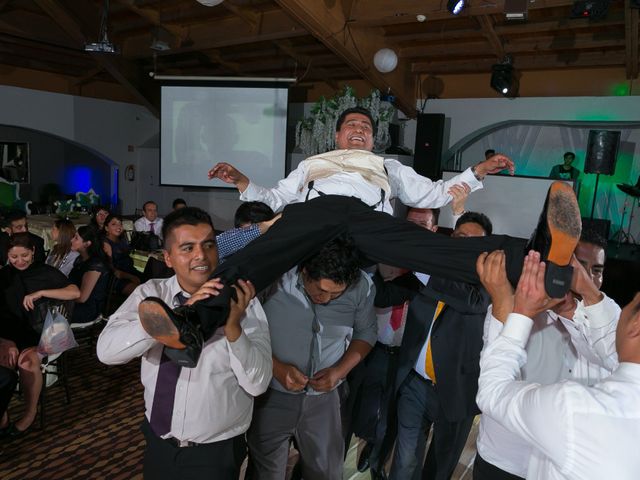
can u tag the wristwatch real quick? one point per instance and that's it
(475, 174)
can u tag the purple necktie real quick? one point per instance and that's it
(151, 228)
(165, 392)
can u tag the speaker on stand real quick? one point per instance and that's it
(602, 153)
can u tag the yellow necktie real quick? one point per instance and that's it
(428, 360)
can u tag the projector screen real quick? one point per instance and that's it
(244, 124)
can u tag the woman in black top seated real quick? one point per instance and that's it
(117, 249)
(24, 285)
(90, 273)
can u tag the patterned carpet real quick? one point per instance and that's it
(96, 436)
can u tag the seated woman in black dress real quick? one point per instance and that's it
(24, 284)
(117, 249)
(90, 273)
(61, 255)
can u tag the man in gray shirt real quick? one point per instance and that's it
(322, 324)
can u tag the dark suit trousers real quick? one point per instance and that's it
(381, 238)
(165, 461)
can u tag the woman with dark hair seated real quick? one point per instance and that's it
(99, 213)
(61, 255)
(90, 273)
(25, 284)
(117, 249)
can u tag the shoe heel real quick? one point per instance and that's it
(557, 279)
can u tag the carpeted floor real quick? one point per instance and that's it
(96, 436)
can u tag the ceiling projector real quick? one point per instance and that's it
(100, 47)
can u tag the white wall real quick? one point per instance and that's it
(114, 128)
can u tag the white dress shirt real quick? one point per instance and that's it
(576, 431)
(582, 349)
(144, 225)
(411, 189)
(214, 400)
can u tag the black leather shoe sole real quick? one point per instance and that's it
(157, 320)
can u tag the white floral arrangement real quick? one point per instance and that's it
(316, 134)
(66, 207)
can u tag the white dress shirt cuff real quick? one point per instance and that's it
(599, 314)
(470, 179)
(250, 193)
(517, 328)
(240, 347)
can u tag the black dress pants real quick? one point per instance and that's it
(381, 238)
(164, 460)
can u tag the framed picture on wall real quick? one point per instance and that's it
(14, 158)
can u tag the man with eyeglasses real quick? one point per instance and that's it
(322, 324)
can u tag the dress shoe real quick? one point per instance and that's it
(379, 475)
(556, 237)
(178, 329)
(13, 432)
(363, 459)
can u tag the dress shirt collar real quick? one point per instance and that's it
(627, 372)
(175, 289)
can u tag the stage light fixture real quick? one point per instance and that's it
(504, 78)
(593, 9)
(455, 6)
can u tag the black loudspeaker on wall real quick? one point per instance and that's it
(428, 149)
(602, 152)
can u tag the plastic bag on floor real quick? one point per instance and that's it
(57, 336)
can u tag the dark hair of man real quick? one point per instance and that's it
(337, 261)
(476, 217)
(148, 202)
(569, 154)
(489, 153)
(95, 250)
(178, 201)
(361, 111)
(183, 216)
(66, 231)
(107, 221)
(14, 215)
(252, 212)
(22, 239)
(593, 236)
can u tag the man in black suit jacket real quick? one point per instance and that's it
(446, 401)
(17, 223)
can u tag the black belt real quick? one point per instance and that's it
(181, 443)
(388, 349)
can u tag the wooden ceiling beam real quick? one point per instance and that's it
(631, 40)
(247, 14)
(354, 46)
(382, 12)
(153, 17)
(537, 62)
(40, 64)
(307, 63)
(525, 45)
(228, 31)
(123, 72)
(486, 24)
